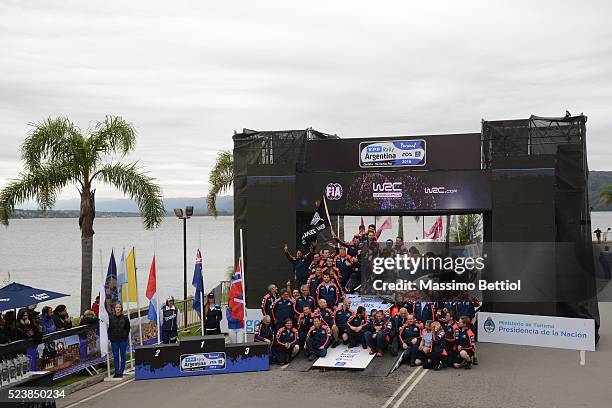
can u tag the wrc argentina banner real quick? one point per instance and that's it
(542, 331)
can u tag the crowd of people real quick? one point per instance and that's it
(30, 324)
(428, 330)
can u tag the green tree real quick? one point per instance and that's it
(220, 179)
(467, 230)
(57, 154)
(606, 195)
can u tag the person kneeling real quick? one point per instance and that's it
(285, 343)
(466, 345)
(317, 340)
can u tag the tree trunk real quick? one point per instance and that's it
(341, 227)
(400, 226)
(86, 219)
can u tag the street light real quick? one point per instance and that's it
(179, 214)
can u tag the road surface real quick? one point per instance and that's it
(508, 376)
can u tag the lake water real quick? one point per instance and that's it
(47, 252)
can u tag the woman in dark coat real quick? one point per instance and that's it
(212, 316)
(118, 332)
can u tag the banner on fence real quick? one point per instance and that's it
(543, 331)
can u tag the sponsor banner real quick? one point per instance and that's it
(344, 357)
(369, 302)
(253, 318)
(67, 351)
(392, 153)
(203, 362)
(365, 192)
(542, 331)
(430, 152)
(149, 330)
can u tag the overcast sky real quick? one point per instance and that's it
(187, 74)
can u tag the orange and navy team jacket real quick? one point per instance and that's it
(283, 309)
(465, 339)
(331, 294)
(286, 336)
(319, 337)
(266, 304)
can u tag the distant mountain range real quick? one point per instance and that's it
(225, 204)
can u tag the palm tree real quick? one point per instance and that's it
(58, 154)
(606, 195)
(221, 178)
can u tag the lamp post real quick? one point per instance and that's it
(179, 214)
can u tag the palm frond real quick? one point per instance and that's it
(50, 139)
(42, 184)
(220, 179)
(139, 187)
(112, 135)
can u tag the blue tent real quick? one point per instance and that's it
(16, 295)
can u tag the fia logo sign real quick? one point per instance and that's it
(333, 191)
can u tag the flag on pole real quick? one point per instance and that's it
(317, 224)
(152, 292)
(236, 296)
(111, 293)
(103, 322)
(130, 289)
(122, 279)
(198, 283)
(362, 223)
(435, 231)
(384, 226)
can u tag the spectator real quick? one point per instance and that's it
(61, 319)
(37, 328)
(89, 317)
(10, 325)
(3, 338)
(597, 233)
(31, 310)
(235, 328)
(47, 322)
(118, 332)
(96, 306)
(23, 328)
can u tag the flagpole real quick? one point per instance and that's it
(202, 295)
(127, 301)
(157, 308)
(137, 297)
(328, 217)
(103, 304)
(242, 269)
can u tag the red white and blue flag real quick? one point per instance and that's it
(236, 296)
(152, 292)
(385, 225)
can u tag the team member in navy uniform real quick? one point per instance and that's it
(352, 248)
(341, 316)
(212, 316)
(317, 340)
(377, 334)
(286, 343)
(466, 346)
(304, 324)
(329, 291)
(315, 280)
(282, 309)
(451, 330)
(345, 265)
(268, 300)
(424, 310)
(397, 322)
(410, 337)
(265, 334)
(304, 300)
(170, 319)
(437, 355)
(300, 265)
(325, 313)
(357, 327)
